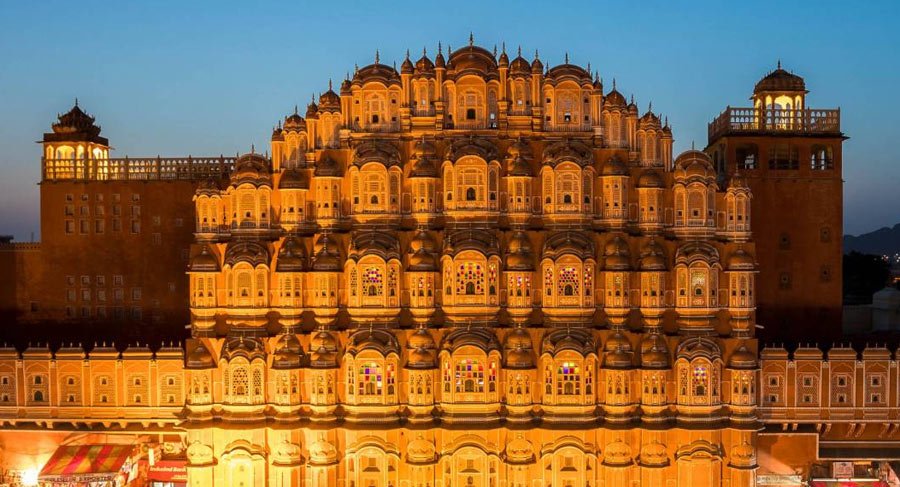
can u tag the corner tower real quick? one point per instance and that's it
(790, 156)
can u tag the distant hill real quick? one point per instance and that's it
(884, 241)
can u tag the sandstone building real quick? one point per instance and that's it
(468, 271)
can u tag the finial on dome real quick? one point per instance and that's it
(440, 49)
(296, 112)
(650, 107)
(329, 84)
(567, 57)
(395, 65)
(520, 50)
(589, 68)
(536, 54)
(471, 39)
(355, 68)
(424, 51)
(252, 149)
(503, 47)
(407, 54)
(779, 67)
(692, 145)
(377, 56)
(495, 50)
(614, 83)
(76, 99)
(632, 98)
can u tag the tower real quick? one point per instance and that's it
(790, 156)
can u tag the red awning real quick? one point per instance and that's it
(87, 463)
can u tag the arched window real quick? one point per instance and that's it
(38, 396)
(568, 378)
(470, 194)
(370, 379)
(469, 376)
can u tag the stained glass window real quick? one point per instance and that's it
(700, 380)
(568, 281)
(470, 279)
(469, 376)
(568, 375)
(370, 379)
(373, 281)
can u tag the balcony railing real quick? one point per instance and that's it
(567, 127)
(749, 120)
(376, 127)
(137, 169)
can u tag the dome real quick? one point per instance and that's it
(740, 260)
(292, 256)
(377, 72)
(694, 164)
(650, 179)
(651, 119)
(326, 258)
(618, 352)
(250, 167)
(439, 59)
(654, 352)
(518, 349)
(537, 67)
(424, 65)
(614, 98)
(617, 254)
(424, 168)
(321, 452)
(422, 350)
(519, 450)
(294, 122)
(614, 167)
(323, 350)
(200, 358)
(312, 110)
(205, 261)
(569, 70)
(519, 65)
(277, 133)
(288, 353)
(519, 255)
(780, 80)
(407, 66)
(652, 257)
(75, 125)
(503, 60)
(473, 57)
(327, 167)
(519, 167)
(742, 359)
(346, 87)
(293, 179)
(330, 101)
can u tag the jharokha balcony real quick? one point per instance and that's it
(775, 120)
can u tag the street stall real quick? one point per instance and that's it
(99, 465)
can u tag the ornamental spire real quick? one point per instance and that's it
(377, 56)
(567, 57)
(471, 39)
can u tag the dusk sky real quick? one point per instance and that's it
(206, 78)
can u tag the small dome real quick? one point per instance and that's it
(250, 167)
(617, 254)
(742, 359)
(312, 110)
(422, 350)
(650, 179)
(654, 352)
(407, 66)
(288, 353)
(294, 122)
(694, 164)
(377, 72)
(519, 166)
(615, 99)
(537, 67)
(327, 167)
(293, 179)
(330, 101)
(424, 65)
(278, 133)
(323, 350)
(619, 352)
(781, 81)
(346, 87)
(653, 258)
(614, 167)
(326, 258)
(424, 168)
(205, 261)
(569, 70)
(291, 256)
(422, 248)
(208, 187)
(518, 349)
(519, 256)
(200, 358)
(740, 260)
(519, 65)
(503, 60)
(439, 59)
(650, 119)
(75, 125)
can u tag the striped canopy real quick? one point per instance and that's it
(86, 463)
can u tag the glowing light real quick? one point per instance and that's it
(29, 477)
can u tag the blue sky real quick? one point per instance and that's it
(204, 78)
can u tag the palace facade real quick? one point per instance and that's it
(468, 271)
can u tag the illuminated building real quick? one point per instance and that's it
(468, 271)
